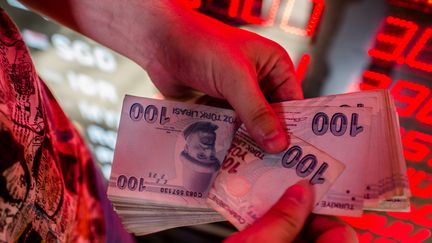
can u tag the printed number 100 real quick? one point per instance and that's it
(338, 124)
(150, 113)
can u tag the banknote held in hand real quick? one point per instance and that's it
(178, 164)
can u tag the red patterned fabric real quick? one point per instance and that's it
(49, 187)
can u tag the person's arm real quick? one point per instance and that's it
(130, 27)
(182, 49)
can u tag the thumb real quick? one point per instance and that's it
(245, 96)
(284, 221)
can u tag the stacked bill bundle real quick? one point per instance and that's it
(179, 164)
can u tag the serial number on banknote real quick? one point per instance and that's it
(133, 183)
(180, 192)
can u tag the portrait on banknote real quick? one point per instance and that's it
(198, 157)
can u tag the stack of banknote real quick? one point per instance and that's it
(179, 164)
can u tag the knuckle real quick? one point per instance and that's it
(259, 115)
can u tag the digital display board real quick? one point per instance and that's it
(336, 46)
(401, 60)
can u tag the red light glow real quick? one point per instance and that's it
(418, 47)
(390, 45)
(416, 146)
(374, 80)
(402, 131)
(302, 67)
(402, 42)
(365, 237)
(411, 102)
(424, 115)
(192, 4)
(398, 230)
(271, 16)
(313, 20)
(420, 183)
(420, 215)
(232, 9)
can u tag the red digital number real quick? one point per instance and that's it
(420, 214)
(398, 42)
(232, 9)
(411, 59)
(416, 145)
(192, 4)
(402, 131)
(420, 183)
(424, 115)
(302, 67)
(247, 16)
(411, 102)
(313, 20)
(423, 216)
(374, 80)
(380, 225)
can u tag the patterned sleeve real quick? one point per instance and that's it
(50, 187)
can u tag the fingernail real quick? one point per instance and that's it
(275, 142)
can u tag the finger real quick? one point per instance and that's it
(280, 83)
(328, 229)
(245, 96)
(284, 221)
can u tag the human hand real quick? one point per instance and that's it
(200, 53)
(247, 70)
(182, 50)
(289, 220)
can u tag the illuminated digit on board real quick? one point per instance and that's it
(412, 60)
(409, 95)
(192, 4)
(247, 16)
(309, 30)
(232, 9)
(424, 115)
(416, 145)
(374, 80)
(390, 38)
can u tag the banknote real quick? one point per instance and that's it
(169, 152)
(179, 164)
(344, 133)
(386, 182)
(251, 181)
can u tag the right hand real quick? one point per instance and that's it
(289, 220)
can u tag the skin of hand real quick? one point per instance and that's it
(227, 63)
(183, 50)
(289, 220)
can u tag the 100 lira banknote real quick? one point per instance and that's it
(251, 181)
(169, 152)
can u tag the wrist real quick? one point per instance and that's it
(151, 27)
